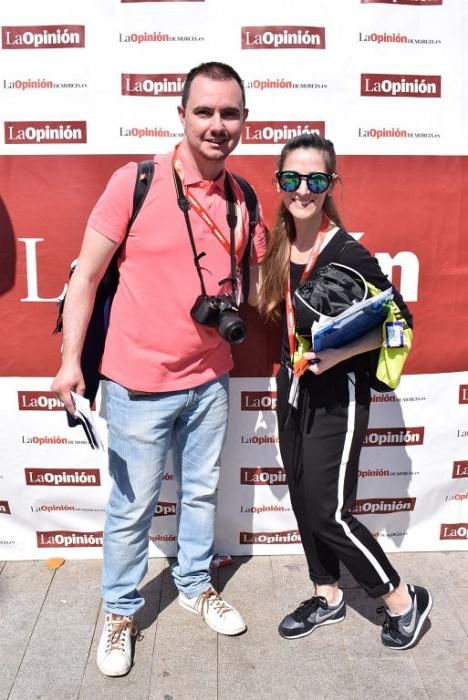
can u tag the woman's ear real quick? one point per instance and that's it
(334, 180)
(275, 183)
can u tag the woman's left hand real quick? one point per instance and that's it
(321, 361)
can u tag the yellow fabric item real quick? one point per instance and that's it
(299, 363)
(391, 360)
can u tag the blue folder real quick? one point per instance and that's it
(356, 321)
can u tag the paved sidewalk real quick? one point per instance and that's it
(51, 622)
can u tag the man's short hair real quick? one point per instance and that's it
(214, 70)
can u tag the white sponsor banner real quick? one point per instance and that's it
(412, 493)
(413, 474)
(53, 486)
(392, 98)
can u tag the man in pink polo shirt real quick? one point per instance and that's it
(166, 367)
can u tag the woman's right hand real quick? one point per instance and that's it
(319, 362)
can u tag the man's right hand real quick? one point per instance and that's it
(68, 379)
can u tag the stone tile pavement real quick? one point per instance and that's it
(51, 622)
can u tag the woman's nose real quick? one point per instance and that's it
(303, 189)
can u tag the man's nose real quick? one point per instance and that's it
(217, 123)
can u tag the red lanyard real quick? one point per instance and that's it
(290, 315)
(203, 214)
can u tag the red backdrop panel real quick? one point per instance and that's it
(415, 204)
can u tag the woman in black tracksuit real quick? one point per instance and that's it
(323, 421)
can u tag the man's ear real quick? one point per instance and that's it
(246, 114)
(181, 112)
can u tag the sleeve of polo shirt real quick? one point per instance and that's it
(114, 207)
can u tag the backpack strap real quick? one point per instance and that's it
(145, 172)
(144, 176)
(345, 245)
(251, 203)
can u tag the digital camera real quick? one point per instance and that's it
(222, 313)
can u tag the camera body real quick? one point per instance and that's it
(222, 313)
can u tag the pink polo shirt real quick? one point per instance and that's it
(153, 344)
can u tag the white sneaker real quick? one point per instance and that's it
(218, 614)
(114, 655)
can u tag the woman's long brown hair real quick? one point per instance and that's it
(275, 266)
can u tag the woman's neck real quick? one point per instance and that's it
(306, 233)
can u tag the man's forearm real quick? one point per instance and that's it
(76, 314)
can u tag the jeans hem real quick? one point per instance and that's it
(122, 611)
(195, 592)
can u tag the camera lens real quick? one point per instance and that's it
(231, 327)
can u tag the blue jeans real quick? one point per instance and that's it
(141, 429)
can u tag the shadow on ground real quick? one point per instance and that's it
(161, 592)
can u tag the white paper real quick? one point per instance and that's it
(84, 414)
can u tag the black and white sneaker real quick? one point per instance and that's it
(403, 631)
(312, 613)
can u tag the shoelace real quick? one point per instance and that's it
(116, 633)
(309, 606)
(382, 611)
(389, 623)
(210, 597)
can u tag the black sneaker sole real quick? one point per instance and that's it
(320, 624)
(418, 629)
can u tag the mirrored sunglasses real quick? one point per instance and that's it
(290, 181)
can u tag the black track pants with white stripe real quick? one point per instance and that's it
(320, 443)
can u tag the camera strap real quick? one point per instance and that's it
(231, 217)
